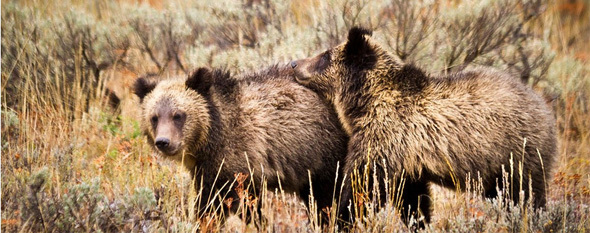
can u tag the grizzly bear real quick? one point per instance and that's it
(433, 129)
(262, 124)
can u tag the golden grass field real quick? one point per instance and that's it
(72, 163)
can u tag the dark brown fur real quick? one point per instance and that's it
(284, 129)
(434, 129)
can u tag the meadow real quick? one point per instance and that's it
(73, 157)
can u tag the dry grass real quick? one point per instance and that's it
(70, 163)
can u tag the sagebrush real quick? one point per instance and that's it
(72, 162)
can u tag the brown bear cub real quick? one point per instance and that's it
(432, 129)
(262, 125)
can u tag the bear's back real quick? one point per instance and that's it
(285, 128)
(486, 115)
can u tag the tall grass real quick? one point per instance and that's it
(72, 163)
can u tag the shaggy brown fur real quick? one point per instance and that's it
(436, 129)
(284, 129)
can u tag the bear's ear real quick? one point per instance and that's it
(357, 44)
(200, 80)
(223, 81)
(142, 87)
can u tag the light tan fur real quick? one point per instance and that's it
(263, 125)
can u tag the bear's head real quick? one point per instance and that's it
(175, 113)
(348, 62)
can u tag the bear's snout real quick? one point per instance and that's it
(162, 143)
(301, 72)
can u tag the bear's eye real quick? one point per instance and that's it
(177, 116)
(326, 56)
(154, 120)
(323, 62)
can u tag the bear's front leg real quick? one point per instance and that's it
(363, 167)
(416, 202)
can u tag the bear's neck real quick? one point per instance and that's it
(377, 95)
(202, 155)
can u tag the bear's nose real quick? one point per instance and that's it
(162, 143)
(293, 64)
